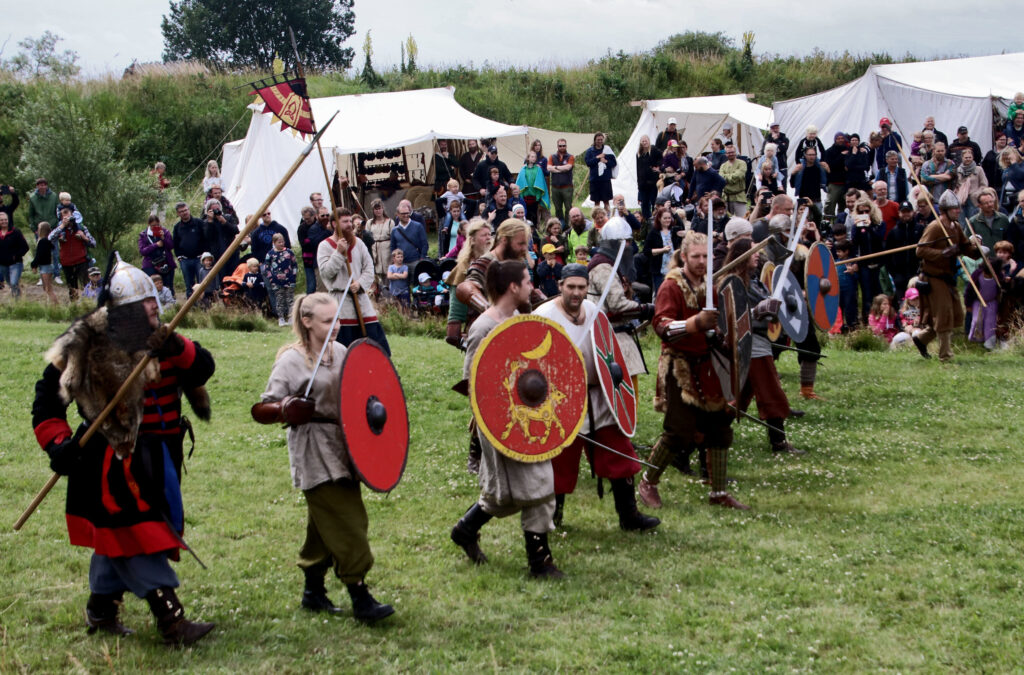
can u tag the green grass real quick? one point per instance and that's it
(893, 545)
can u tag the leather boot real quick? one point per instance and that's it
(559, 510)
(538, 554)
(314, 595)
(466, 533)
(171, 621)
(648, 492)
(727, 500)
(101, 613)
(625, 505)
(807, 391)
(364, 606)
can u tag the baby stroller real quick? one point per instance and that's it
(235, 294)
(430, 294)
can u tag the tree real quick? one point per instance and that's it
(246, 33)
(76, 152)
(39, 59)
(369, 76)
(412, 50)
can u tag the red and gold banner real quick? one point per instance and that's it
(287, 101)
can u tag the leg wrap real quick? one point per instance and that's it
(660, 456)
(776, 437)
(717, 468)
(808, 372)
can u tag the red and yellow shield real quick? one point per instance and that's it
(528, 388)
(613, 374)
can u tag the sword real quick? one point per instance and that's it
(181, 540)
(616, 452)
(607, 287)
(797, 349)
(756, 419)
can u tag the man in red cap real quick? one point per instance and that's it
(890, 141)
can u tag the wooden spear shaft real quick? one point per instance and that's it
(726, 269)
(879, 254)
(196, 294)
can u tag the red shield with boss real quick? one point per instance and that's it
(821, 280)
(374, 419)
(612, 373)
(528, 388)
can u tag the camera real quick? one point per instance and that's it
(217, 212)
(5, 190)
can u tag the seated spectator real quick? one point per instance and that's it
(205, 267)
(212, 178)
(163, 294)
(882, 318)
(156, 246)
(582, 254)
(94, 285)
(499, 210)
(398, 278)
(44, 260)
(13, 248)
(65, 201)
(910, 318)
(515, 196)
(281, 270)
(576, 233)
(549, 271)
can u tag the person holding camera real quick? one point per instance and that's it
(190, 239)
(74, 241)
(156, 246)
(221, 230)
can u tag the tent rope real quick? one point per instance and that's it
(218, 150)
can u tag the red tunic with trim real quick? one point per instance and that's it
(119, 507)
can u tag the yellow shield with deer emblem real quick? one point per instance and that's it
(528, 388)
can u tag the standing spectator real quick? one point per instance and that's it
(13, 248)
(380, 226)
(190, 241)
(44, 260)
(482, 173)
(867, 235)
(602, 163)
(206, 261)
(990, 164)
(533, 186)
(262, 242)
(542, 159)
(409, 235)
(281, 269)
(770, 158)
(156, 246)
(809, 177)
(705, 180)
(670, 133)
(859, 165)
(1014, 129)
(221, 230)
(811, 140)
(1013, 176)
(252, 281)
(834, 161)
(781, 204)
(895, 178)
(970, 181)
(988, 222)
(448, 233)
(467, 165)
(889, 209)
(160, 181)
(902, 266)
(938, 172)
(74, 241)
(1015, 230)
(960, 143)
(658, 246)
(717, 153)
(560, 167)
(445, 169)
(648, 163)
(212, 178)
(781, 143)
(890, 141)
(307, 246)
(398, 278)
(929, 126)
(42, 205)
(927, 147)
(734, 171)
(847, 285)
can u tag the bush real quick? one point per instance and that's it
(866, 341)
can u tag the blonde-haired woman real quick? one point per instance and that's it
(379, 226)
(212, 178)
(478, 242)
(336, 528)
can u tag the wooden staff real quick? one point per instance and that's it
(196, 294)
(726, 269)
(928, 196)
(878, 254)
(330, 183)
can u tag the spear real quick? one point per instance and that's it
(196, 294)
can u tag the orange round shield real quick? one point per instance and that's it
(774, 327)
(528, 388)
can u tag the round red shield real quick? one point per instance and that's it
(613, 374)
(821, 279)
(374, 419)
(528, 388)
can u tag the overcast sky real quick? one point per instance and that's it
(109, 34)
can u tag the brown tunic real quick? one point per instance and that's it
(942, 308)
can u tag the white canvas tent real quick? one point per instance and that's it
(956, 92)
(698, 120)
(512, 149)
(412, 120)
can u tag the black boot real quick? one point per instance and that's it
(171, 621)
(777, 437)
(314, 595)
(539, 556)
(101, 614)
(559, 510)
(625, 505)
(466, 533)
(364, 606)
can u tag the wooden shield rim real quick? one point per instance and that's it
(495, 442)
(405, 410)
(804, 314)
(604, 376)
(820, 253)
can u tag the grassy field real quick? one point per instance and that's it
(894, 545)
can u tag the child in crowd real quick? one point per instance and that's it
(460, 239)
(555, 237)
(495, 182)
(918, 138)
(206, 265)
(212, 178)
(549, 271)
(453, 193)
(882, 318)
(281, 270)
(65, 201)
(92, 287)
(847, 286)
(1005, 265)
(252, 281)
(163, 294)
(910, 317)
(398, 278)
(44, 260)
(1018, 104)
(582, 254)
